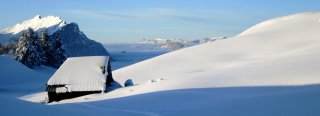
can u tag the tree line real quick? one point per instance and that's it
(7, 48)
(33, 51)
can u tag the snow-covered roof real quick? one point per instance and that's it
(81, 74)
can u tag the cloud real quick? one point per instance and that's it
(146, 14)
(99, 14)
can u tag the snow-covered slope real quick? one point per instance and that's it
(75, 42)
(281, 51)
(15, 76)
(255, 73)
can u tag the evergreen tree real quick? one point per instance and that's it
(37, 45)
(22, 48)
(47, 48)
(59, 56)
(9, 48)
(27, 51)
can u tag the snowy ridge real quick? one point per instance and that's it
(281, 21)
(267, 55)
(182, 41)
(155, 41)
(174, 44)
(52, 23)
(82, 73)
(75, 42)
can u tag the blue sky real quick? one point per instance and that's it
(110, 21)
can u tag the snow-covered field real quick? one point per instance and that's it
(269, 69)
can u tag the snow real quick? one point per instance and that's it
(52, 23)
(155, 41)
(182, 41)
(81, 74)
(273, 54)
(15, 75)
(280, 55)
(75, 42)
(173, 45)
(269, 69)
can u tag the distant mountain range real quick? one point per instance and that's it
(179, 43)
(75, 42)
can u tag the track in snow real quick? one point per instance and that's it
(121, 110)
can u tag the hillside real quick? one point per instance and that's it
(281, 51)
(269, 69)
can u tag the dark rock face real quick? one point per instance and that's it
(77, 44)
